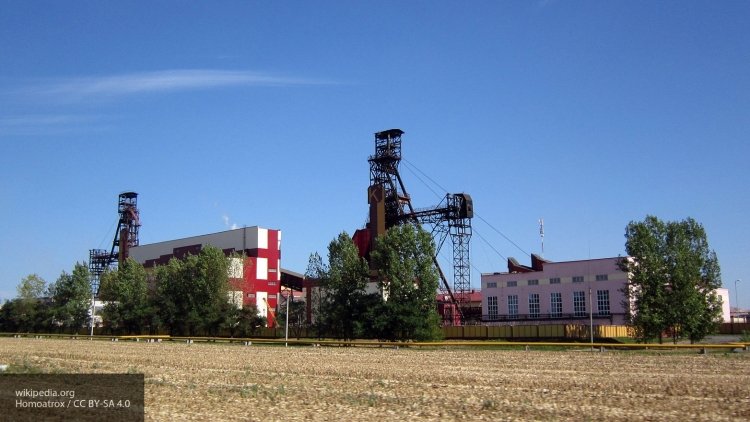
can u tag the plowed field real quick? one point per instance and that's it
(234, 382)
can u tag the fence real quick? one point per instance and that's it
(527, 345)
(529, 332)
(550, 331)
(734, 328)
(567, 331)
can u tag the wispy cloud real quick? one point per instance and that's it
(113, 86)
(44, 123)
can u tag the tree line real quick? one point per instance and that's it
(39, 307)
(187, 296)
(190, 296)
(673, 276)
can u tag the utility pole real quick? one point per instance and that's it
(93, 312)
(286, 329)
(591, 319)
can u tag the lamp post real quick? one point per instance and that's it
(286, 328)
(591, 319)
(93, 313)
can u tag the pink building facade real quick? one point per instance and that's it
(555, 293)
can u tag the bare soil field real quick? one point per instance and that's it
(233, 382)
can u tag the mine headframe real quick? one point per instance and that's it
(452, 217)
(126, 236)
(391, 205)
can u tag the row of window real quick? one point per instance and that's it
(555, 304)
(553, 280)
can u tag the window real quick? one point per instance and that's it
(512, 283)
(578, 279)
(491, 284)
(492, 307)
(555, 304)
(533, 282)
(554, 280)
(513, 306)
(579, 303)
(602, 277)
(602, 302)
(534, 305)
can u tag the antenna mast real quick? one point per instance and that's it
(541, 233)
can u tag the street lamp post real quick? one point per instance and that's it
(93, 313)
(286, 328)
(591, 318)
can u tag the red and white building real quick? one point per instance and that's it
(256, 281)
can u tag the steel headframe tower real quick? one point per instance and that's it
(126, 236)
(390, 205)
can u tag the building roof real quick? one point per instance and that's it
(538, 264)
(471, 296)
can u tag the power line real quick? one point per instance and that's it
(424, 183)
(425, 175)
(501, 234)
(489, 244)
(410, 164)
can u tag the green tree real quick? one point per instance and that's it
(343, 281)
(126, 292)
(409, 280)
(28, 311)
(695, 276)
(71, 298)
(673, 276)
(296, 316)
(31, 287)
(249, 321)
(192, 292)
(314, 271)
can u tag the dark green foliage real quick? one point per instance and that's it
(343, 281)
(673, 277)
(192, 293)
(71, 298)
(29, 311)
(409, 280)
(244, 322)
(296, 316)
(184, 297)
(128, 308)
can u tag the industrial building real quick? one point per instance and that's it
(560, 292)
(255, 281)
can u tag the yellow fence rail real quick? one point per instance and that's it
(527, 345)
(568, 331)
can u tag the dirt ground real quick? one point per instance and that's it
(235, 382)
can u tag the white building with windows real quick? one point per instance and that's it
(555, 292)
(561, 292)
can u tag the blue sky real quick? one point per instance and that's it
(586, 114)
